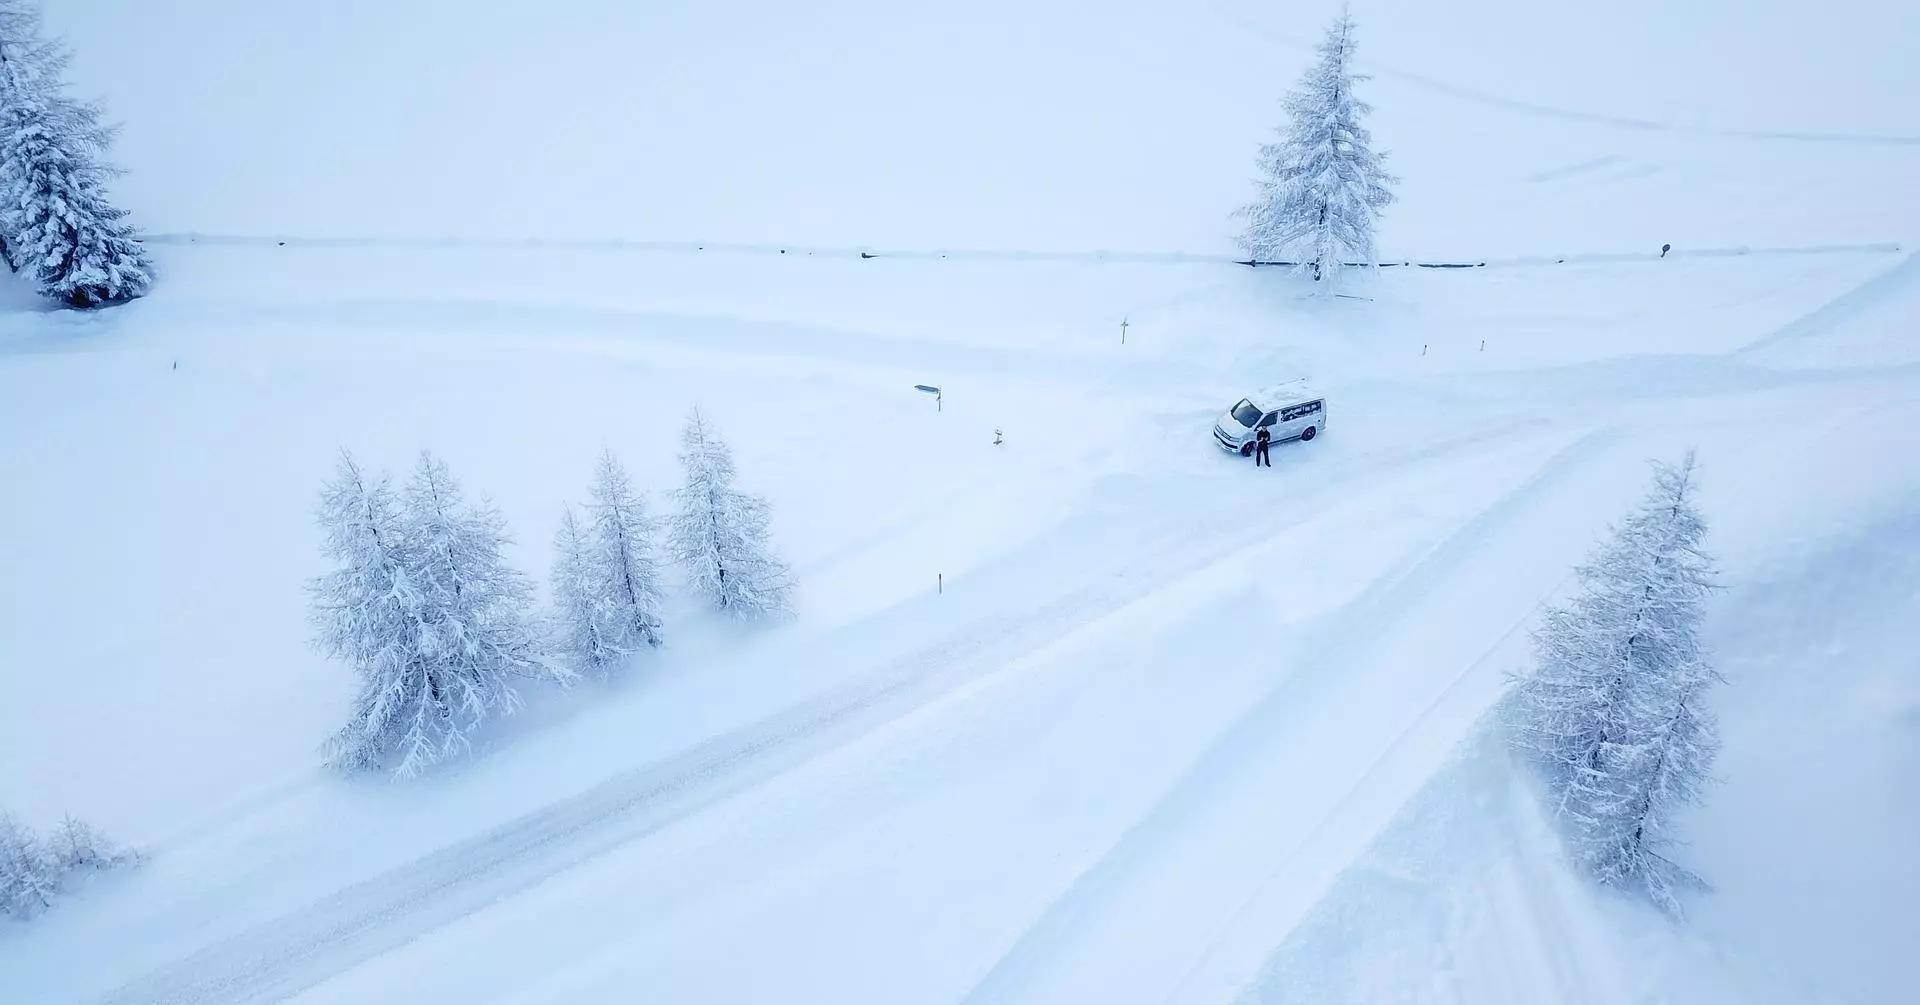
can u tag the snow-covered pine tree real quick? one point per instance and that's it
(720, 533)
(426, 611)
(29, 879)
(26, 56)
(54, 215)
(1614, 712)
(1322, 186)
(606, 579)
(622, 539)
(369, 612)
(580, 616)
(472, 629)
(76, 844)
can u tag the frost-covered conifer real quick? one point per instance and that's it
(76, 844)
(622, 537)
(369, 612)
(1614, 711)
(1322, 186)
(579, 611)
(55, 219)
(606, 578)
(720, 533)
(474, 633)
(29, 877)
(424, 607)
(33, 872)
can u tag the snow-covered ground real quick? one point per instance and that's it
(1172, 729)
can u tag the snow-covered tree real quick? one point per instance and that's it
(606, 577)
(369, 612)
(33, 872)
(424, 607)
(473, 629)
(579, 609)
(623, 537)
(1322, 186)
(55, 218)
(720, 533)
(76, 844)
(1614, 712)
(29, 877)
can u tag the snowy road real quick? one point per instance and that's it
(1305, 778)
(1135, 801)
(385, 912)
(1139, 777)
(1122, 761)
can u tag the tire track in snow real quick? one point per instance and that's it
(300, 949)
(1567, 171)
(1229, 964)
(1483, 888)
(1020, 973)
(1535, 108)
(1901, 280)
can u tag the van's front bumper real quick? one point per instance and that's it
(1227, 442)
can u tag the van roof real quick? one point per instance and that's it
(1281, 395)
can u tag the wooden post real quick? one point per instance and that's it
(939, 582)
(1123, 331)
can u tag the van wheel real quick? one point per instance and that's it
(1310, 432)
(1246, 450)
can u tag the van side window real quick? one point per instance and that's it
(1270, 418)
(1301, 411)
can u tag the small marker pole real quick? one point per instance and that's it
(939, 582)
(1423, 348)
(1123, 331)
(1483, 345)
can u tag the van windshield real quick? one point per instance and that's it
(1245, 413)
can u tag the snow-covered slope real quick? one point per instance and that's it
(1519, 127)
(1168, 728)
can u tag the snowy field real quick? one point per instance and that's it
(1094, 714)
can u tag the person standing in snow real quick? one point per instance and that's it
(1261, 442)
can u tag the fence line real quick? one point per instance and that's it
(1607, 257)
(869, 253)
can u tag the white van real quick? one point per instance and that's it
(1290, 412)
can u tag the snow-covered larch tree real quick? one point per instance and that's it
(1614, 712)
(426, 610)
(55, 218)
(474, 635)
(606, 578)
(1322, 186)
(720, 533)
(622, 537)
(76, 844)
(29, 877)
(368, 612)
(579, 616)
(33, 872)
